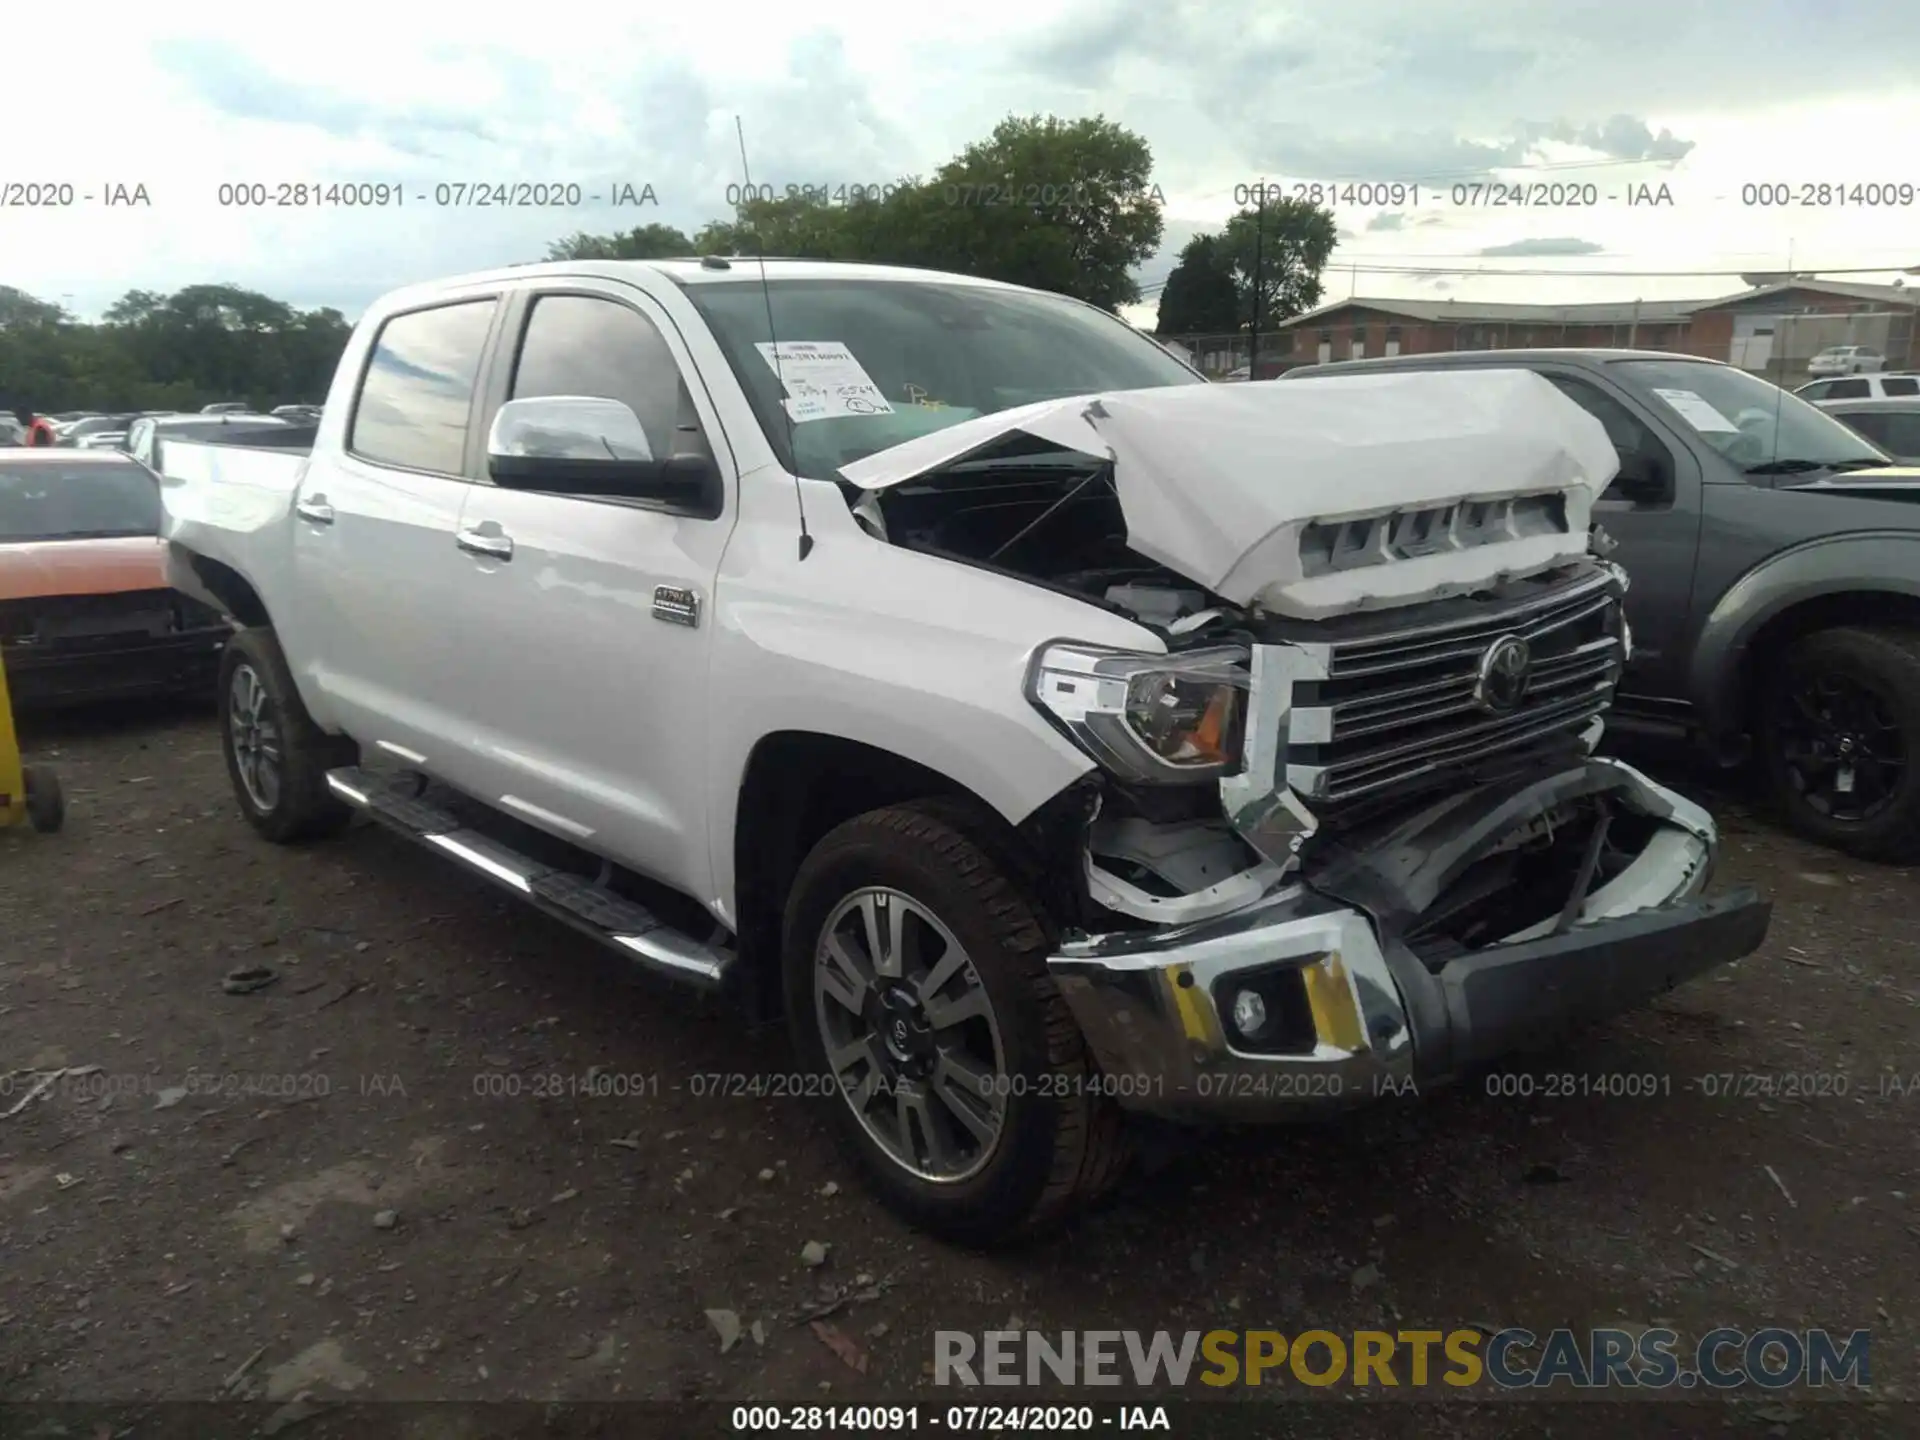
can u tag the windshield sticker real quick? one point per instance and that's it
(1696, 412)
(822, 379)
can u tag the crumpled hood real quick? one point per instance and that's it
(1218, 482)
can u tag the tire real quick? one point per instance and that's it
(46, 801)
(1059, 1142)
(298, 806)
(1881, 667)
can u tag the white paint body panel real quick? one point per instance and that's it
(545, 685)
(1218, 481)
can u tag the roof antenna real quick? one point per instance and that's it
(766, 293)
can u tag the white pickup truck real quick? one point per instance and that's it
(1051, 734)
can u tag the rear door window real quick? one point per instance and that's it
(417, 394)
(1855, 389)
(1900, 385)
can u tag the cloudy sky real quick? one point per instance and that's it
(1589, 97)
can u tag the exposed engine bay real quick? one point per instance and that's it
(1051, 517)
(1163, 856)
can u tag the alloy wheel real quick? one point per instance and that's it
(254, 732)
(910, 1034)
(1842, 745)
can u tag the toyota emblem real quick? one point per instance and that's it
(1504, 670)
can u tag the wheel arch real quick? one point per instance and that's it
(1794, 593)
(216, 584)
(798, 785)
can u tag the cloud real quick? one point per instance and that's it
(1387, 220)
(1560, 245)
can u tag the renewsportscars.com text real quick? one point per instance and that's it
(1510, 1359)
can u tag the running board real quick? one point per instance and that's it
(627, 927)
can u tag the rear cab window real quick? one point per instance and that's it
(416, 395)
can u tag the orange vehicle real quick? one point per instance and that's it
(85, 610)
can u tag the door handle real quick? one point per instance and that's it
(317, 510)
(477, 542)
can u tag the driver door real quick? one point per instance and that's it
(1659, 538)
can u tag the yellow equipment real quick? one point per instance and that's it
(27, 792)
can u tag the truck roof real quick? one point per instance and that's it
(1575, 353)
(691, 271)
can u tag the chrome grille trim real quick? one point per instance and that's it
(1369, 708)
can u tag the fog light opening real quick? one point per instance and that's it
(1249, 1014)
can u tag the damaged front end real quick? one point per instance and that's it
(1415, 863)
(1348, 832)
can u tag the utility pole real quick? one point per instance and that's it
(1259, 234)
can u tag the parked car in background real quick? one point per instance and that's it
(86, 612)
(79, 430)
(1893, 425)
(1892, 385)
(226, 407)
(145, 435)
(296, 412)
(1774, 561)
(12, 432)
(1846, 360)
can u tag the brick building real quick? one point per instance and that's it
(1775, 329)
(1770, 329)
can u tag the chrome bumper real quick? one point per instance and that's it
(1370, 1019)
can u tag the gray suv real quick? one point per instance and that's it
(1775, 580)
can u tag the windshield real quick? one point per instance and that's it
(870, 364)
(39, 501)
(1756, 425)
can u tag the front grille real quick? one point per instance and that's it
(1388, 703)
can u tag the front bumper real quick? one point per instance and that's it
(47, 677)
(1374, 1019)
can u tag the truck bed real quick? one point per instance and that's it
(231, 503)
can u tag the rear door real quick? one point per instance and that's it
(379, 574)
(591, 691)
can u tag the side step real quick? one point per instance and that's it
(629, 928)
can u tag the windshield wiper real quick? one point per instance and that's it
(1801, 467)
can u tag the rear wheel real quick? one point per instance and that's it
(1840, 734)
(917, 990)
(276, 756)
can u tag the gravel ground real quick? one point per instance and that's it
(386, 1174)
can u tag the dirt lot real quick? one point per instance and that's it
(383, 1175)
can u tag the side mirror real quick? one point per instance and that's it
(588, 445)
(1642, 479)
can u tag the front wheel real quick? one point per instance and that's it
(917, 989)
(276, 756)
(1840, 734)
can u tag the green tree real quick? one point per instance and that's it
(155, 352)
(1062, 205)
(1201, 296)
(644, 242)
(1294, 239)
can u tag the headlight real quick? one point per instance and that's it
(1156, 719)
